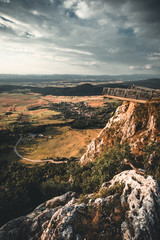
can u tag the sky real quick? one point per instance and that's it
(94, 37)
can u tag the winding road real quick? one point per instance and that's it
(35, 161)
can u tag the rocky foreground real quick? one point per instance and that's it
(127, 207)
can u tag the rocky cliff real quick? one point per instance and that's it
(127, 207)
(134, 123)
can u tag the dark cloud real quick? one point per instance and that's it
(6, 20)
(101, 35)
(149, 9)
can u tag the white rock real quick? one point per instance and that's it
(143, 200)
(47, 223)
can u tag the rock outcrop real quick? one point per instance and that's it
(127, 207)
(134, 123)
(143, 197)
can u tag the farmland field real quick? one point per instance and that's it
(16, 108)
(19, 111)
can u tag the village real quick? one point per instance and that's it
(82, 110)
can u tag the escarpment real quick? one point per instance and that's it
(127, 207)
(133, 123)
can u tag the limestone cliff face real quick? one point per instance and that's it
(133, 123)
(130, 210)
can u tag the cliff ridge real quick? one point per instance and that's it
(133, 123)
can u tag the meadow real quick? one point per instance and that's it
(57, 139)
(57, 142)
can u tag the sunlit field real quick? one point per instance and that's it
(20, 109)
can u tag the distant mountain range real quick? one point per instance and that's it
(34, 79)
(150, 83)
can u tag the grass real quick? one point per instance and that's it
(94, 101)
(102, 222)
(41, 116)
(65, 142)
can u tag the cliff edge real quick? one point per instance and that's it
(133, 123)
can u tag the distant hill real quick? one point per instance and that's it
(80, 90)
(150, 83)
(86, 89)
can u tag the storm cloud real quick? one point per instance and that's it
(80, 36)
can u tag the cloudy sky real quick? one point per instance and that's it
(80, 36)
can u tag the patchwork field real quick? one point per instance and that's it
(97, 100)
(17, 109)
(20, 111)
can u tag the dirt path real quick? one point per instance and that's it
(35, 161)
